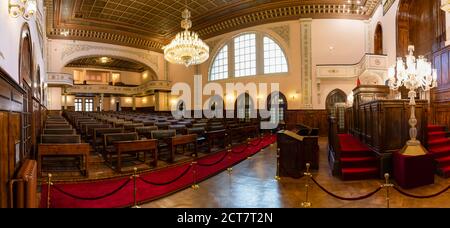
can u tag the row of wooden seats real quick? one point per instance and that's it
(59, 139)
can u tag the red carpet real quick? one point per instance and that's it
(439, 148)
(357, 160)
(152, 185)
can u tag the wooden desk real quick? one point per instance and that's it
(71, 150)
(218, 134)
(138, 146)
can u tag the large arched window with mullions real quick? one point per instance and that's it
(248, 54)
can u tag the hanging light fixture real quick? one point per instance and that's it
(26, 8)
(187, 48)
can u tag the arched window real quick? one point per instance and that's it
(274, 59)
(378, 40)
(219, 69)
(248, 54)
(245, 55)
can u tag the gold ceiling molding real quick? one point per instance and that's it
(151, 24)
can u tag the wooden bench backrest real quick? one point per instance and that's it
(59, 132)
(90, 128)
(58, 126)
(163, 134)
(196, 130)
(60, 139)
(139, 145)
(109, 139)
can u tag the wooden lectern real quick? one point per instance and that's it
(295, 152)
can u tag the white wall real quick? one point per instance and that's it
(389, 24)
(10, 29)
(54, 98)
(335, 41)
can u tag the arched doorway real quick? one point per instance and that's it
(245, 108)
(280, 113)
(26, 81)
(336, 96)
(422, 24)
(378, 40)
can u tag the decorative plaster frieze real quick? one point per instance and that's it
(283, 31)
(306, 62)
(71, 49)
(387, 5)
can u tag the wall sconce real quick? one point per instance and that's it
(26, 8)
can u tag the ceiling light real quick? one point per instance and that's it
(105, 60)
(25, 8)
(187, 48)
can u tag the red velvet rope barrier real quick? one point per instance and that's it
(347, 198)
(215, 163)
(168, 182)
(92, 198)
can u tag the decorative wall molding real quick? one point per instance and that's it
(306, 62)
(59, 79)
(74, 48)
(283, 31)
(213, 43)
(387, 5)
(147, 88)
(1, 55)
(372, 69)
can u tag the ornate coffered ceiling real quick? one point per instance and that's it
(111, 63)
(150, 24)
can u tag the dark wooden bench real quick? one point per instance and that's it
(60, 139)
(98, 134)
(58, 126)
(136, 147)
(216, 135)
(59, 132)
(146, 131)
(180, 129)
(164, 141)
(110, 139)
(183, 140)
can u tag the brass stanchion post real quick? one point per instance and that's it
(229, 169)
(387, 185)
(277, 176)
(306, 203)
(135, 176)
(248, 145)
(194, 186)
(49, 184)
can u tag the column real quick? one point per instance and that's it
(306, 63)
(445, 5)
(65, 101)
(102, 96)
(134, 103)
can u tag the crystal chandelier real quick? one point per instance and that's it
(416, 74)
(186, 48)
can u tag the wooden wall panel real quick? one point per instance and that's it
(312, 118)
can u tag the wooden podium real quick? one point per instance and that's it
(295, 152)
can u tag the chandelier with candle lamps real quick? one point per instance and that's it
(187, 48)
(414, 74)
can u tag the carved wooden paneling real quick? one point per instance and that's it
(440, 97)
(312, 118)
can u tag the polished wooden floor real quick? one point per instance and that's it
(251, 184)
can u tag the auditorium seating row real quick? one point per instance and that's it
(116, 134)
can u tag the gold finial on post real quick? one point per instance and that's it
(277, 176)
(387, 185)
(194, 186)
(306, 203)
(135, 176)
(49, 182)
